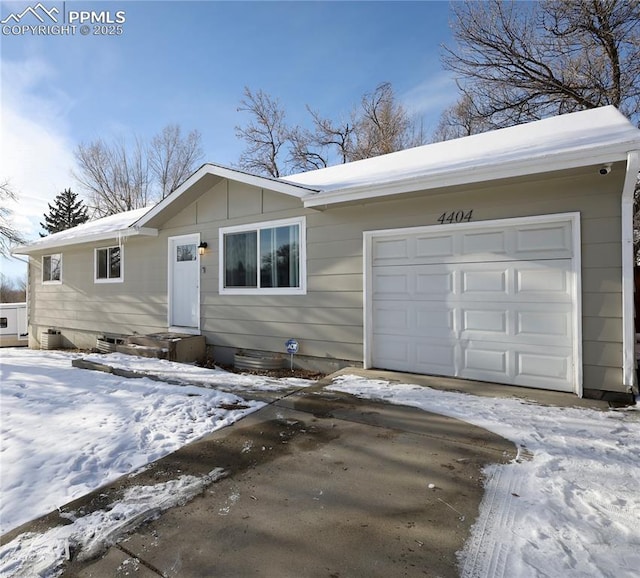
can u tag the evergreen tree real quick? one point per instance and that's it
(66, 212)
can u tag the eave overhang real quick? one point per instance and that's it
(473, 173)
(43, 246)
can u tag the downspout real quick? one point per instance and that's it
(628, 282)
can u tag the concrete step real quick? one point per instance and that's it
(143, 351)
(179, 347)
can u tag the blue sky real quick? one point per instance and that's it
(187, 62)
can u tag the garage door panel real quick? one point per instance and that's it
(435, 354)
(535, 366)
(550, 326)
(399, 353)
(496, 243)
(413, 320)
(390, 319)
(393, 282)
(549, 279)
(434, 281)
(488, 280)
(433, 321)
(533, 323)
(385, 250)
(441, 247)
(402, 282)
(484, 321)
(395, 353)
(485, 244)
(552, 240)
(543, 364)
(493, 303)
(483, 359)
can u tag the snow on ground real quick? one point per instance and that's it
(66, 431)
(43, 555)
(570, 506)
(182, 372)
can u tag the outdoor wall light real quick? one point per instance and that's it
(201, 247)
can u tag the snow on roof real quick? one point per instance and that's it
(106, 228)
(576, 139)
(567, 141)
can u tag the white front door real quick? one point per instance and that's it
(184, 283)
(493, 301)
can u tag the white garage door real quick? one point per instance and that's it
(492, 302)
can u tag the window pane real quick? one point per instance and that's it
(186, 253)
(114, 263)
(46, 268)
(279, 257)
(51, 267)
(55, 267)
(240, 256)
(101, 265)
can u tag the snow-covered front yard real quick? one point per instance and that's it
(568, 507)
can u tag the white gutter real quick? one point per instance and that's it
(628, 282)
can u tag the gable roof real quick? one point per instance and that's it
(573, 140)
(108, 228)
(207, 176)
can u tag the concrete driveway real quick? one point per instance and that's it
(318, 484)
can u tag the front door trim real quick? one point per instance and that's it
(194, 238)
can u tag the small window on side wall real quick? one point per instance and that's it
(52, 268)
(108, 265)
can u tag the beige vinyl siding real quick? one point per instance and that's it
(327, 320)
(84, 309)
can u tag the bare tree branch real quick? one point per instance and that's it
(519, 61)
(379, 126)
(116, 179)
(383, 126)
(173, 158)
(9, 235)
(265, 135)
(13, 290)
(121, 177)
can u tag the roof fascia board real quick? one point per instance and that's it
(469, 175)
(195, 177)
(278, 186)
(120, 234)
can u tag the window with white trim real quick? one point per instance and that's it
(52, 268)
(108, 265)
(264, 258)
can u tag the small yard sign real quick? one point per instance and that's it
(292, 346)
(292, 349)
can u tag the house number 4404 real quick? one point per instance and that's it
(455, 217)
